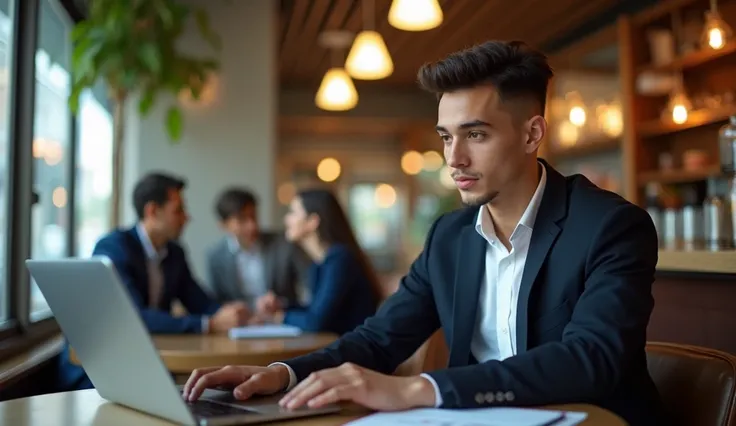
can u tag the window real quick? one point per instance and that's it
(375, 211)
(6, 39)
(93, 191)
(50, 217)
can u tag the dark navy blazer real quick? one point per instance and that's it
(126, 251)
(342, 296)
(584, 304)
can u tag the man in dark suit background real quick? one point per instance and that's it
(154, 269)
(542, 284)
(250, 264)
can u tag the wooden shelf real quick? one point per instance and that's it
(695, 119)
(692, 60)
(586, 148)
(677, 176)
(723, 262)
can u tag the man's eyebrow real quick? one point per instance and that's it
(466, 125)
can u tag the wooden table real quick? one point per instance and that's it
(183, 353)
(86, 408)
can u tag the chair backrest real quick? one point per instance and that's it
(697, 385)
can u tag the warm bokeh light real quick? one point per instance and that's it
(59, 197)
(610, 119)
(577, 116)
(385, 195)
(52, 152)
(328, 170)
(568, 134)
(432, 161)
(679, 114)
(412, 162)
(415, 15)
(286, 192)
(337, 91)
(369, 58)
(715, 38)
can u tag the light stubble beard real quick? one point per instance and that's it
(480, 200)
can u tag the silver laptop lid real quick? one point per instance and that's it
(102, 324)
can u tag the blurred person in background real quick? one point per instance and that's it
(345, 288)
(249, 263)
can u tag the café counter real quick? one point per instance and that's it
(695, 299)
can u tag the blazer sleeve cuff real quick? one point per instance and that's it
(447, 395)
(437, 394)
(292, 375)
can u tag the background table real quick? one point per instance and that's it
(86, 408)
(183, 353)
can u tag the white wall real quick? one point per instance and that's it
(232, 141)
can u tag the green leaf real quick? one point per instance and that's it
(149, 55)
(174, 123)
(146, 102)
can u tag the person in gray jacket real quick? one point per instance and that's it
(248, 263)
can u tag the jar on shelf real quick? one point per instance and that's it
(727, 146)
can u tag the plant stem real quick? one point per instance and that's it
(118, 140)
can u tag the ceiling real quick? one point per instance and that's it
(303, 62)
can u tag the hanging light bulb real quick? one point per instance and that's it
(716, 32)
(415, 15)
(369, 58)
(679, 107)
(337, 91)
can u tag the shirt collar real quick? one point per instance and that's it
(235, 247)
(148, 248)
(484, 224)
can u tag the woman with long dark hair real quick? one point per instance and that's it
(345, 288)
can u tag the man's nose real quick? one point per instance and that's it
(455, 156)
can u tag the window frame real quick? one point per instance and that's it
(18, 332)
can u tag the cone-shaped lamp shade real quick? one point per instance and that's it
(415, 15)
(369, 58)
(337, 91)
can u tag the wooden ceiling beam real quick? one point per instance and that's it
(310, 32)
(565, 23)
(571, 56)
(293, 31)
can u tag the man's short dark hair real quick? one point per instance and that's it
(154, 188)
(232, 201)
(513, 68)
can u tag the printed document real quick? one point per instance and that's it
(264, 331)
(500, 416)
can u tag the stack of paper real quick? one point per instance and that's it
(473, 417)
(264, 331)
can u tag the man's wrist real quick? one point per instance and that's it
(284, 374)
(419, 392)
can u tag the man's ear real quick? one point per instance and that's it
(536, 129)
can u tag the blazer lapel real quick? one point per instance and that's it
(471, 268)
(552, 210)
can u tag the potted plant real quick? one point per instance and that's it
(132, 46)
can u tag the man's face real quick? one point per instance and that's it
(486, 142)
(244, 225)
(170, 218)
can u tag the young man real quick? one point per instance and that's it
(248, 264)
(542, 284)
(154, 269)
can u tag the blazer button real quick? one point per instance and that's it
(510, 396)
(500, 396)
(479, 398)
(489, 397)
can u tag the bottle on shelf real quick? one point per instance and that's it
(727, 146)
(718, 220)
(732, 210)
(693, 223)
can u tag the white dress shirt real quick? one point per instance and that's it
(251, 268)
(494, 335)
(153, 267)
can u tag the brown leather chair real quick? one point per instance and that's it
(697, 385)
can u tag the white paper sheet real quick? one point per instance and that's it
(264, 331)
(500, 416)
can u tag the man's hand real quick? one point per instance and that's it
(268, 303)
(235, 314)
(246, 381)
(350, 382)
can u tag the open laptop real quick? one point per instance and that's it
(100, 321)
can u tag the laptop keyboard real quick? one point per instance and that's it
(209, 409)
